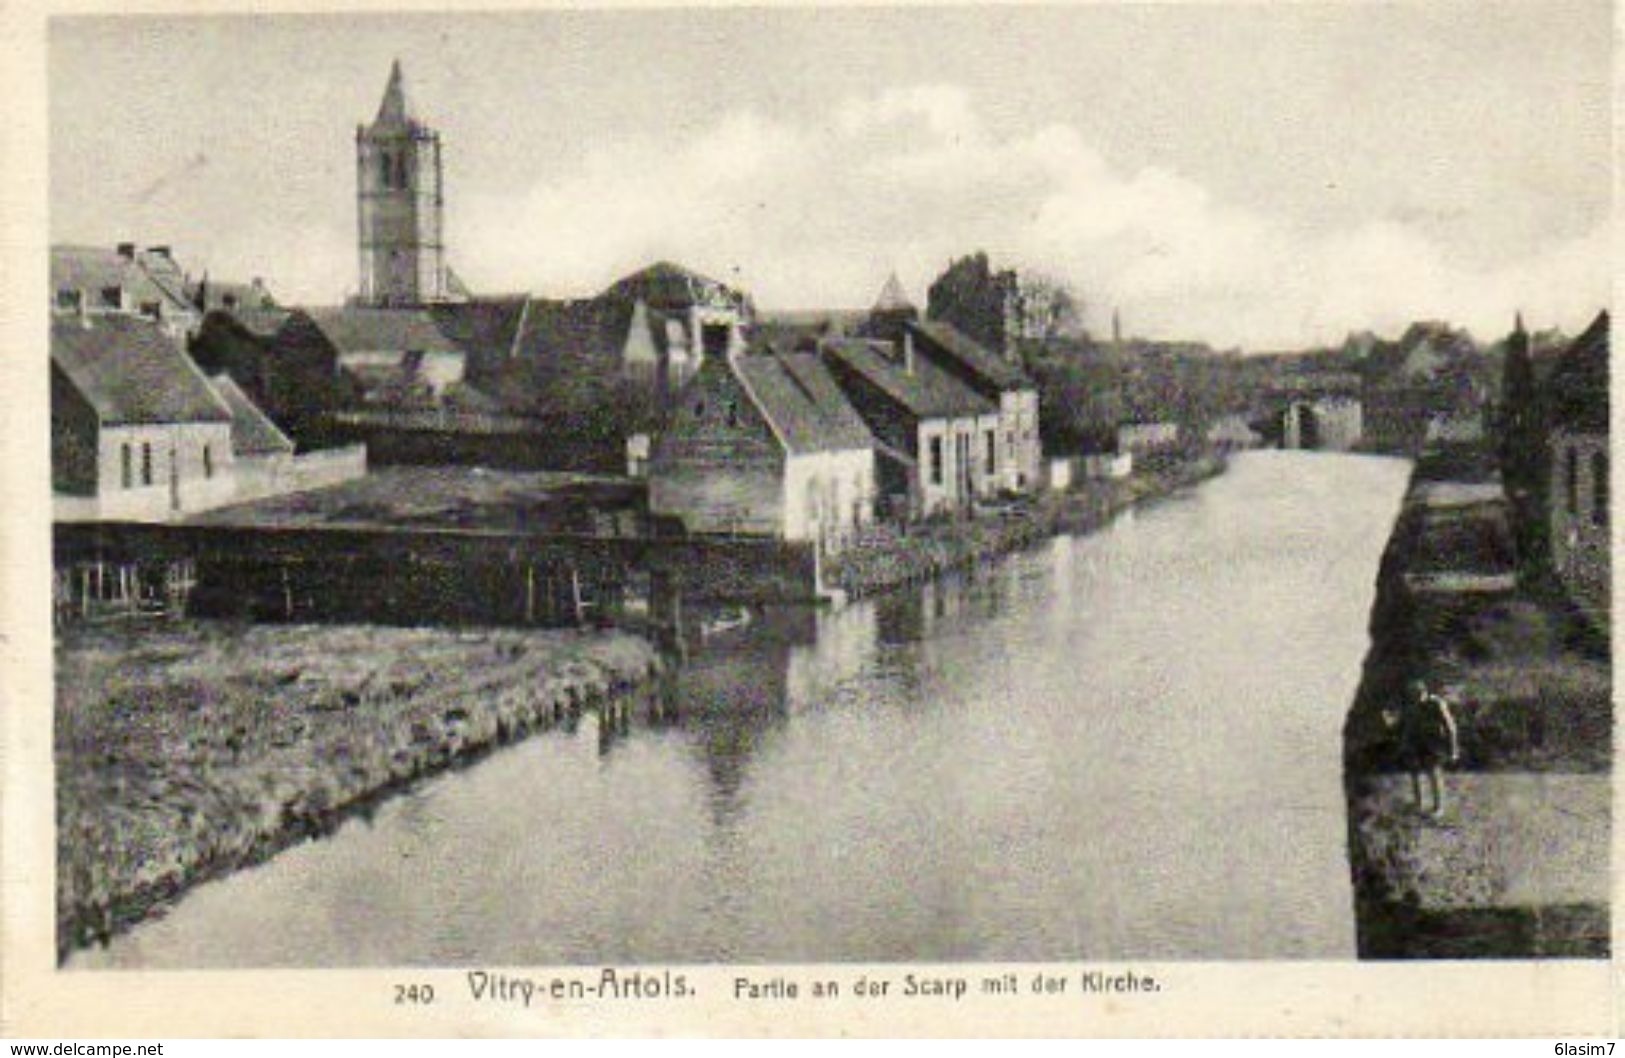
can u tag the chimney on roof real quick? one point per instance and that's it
(126, 250)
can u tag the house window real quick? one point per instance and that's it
(936, 460)
(146, 462)
(1599, 488)
(992, 452)
(112, 297)
(1571, 480)
(69, 299)
(126, 467)
(208, 462)
(151, 310)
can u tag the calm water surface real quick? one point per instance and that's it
(1119, 746)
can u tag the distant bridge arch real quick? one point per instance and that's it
(1331, 423)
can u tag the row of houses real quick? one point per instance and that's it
(140, 433)
(663, 373)
(812, 442)
(805, 442)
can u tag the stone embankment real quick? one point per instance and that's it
(187, 751)
(1517, 866)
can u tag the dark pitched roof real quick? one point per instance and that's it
(357, 329)
(801, 401)
(574, 332)
(252, 432)
(484, 326)
(131, 373)
(671, 287)
(927, 391)
(1578, 389)
(979, 361)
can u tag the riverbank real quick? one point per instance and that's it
(1518, 865)
(185, 751)
(891, 555)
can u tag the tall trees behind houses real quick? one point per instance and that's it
(1523, 450)
(976, 300)
(1086, 388)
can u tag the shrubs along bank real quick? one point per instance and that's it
(888, 555)
(187, 751)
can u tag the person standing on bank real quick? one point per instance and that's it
(1427, 741)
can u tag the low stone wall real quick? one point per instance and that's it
(278, 475)
(1517, 867)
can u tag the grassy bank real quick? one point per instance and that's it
(186, 751)
(891, 555)
(1518, 865)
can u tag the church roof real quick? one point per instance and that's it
(131, 373)
(392, 110)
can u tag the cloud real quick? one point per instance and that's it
(816, 214)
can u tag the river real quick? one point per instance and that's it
(1119, 746)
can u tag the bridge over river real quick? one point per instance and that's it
(1120, 746)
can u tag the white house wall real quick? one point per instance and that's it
(828, 494)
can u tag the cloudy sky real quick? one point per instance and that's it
(1253, 175)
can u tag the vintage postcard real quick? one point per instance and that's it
(807, 520)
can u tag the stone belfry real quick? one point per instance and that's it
(399, 205)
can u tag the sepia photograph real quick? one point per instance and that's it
(870, 486)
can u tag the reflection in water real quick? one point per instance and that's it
(1114, 747)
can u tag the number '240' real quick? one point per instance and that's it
(421, 995)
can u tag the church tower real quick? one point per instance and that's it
(399, 205)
